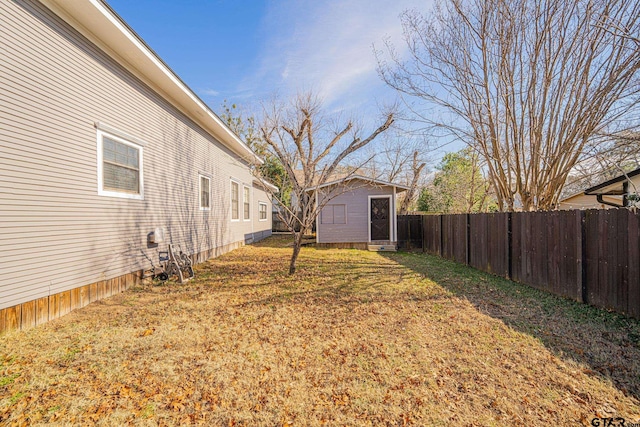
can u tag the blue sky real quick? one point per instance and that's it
(247, 51)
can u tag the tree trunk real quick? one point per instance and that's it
(297, 245)
(416, 168)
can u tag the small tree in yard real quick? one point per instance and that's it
(311, 148)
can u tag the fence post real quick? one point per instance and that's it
(581, 257)
(468, 239)
(422, 229)
(441, 236)
(509, 246)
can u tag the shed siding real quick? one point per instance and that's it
(356, 228)
(56, 232)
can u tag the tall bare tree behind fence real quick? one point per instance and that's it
(590, 256)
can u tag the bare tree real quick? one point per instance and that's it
(400, 159)
(527, 83)
(392, 159)
(416, 172)
(311, 147)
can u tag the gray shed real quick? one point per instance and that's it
(358, 212)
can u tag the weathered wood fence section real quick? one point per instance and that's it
(590, 256)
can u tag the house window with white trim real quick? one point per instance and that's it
(262, 209)
(247, 203)
(235, 211)
(205, 193)
(119, 167)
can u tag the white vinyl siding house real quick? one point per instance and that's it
(100, 145)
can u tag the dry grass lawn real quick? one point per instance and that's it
(355, 338)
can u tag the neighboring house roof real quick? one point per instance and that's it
(582, 201)
(99, 23)
(613, 187)
(609, 193)
(362, 178)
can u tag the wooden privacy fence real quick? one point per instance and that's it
(278, 225)
(410, 233)
(590, 256)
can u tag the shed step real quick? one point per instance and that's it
(390, 247)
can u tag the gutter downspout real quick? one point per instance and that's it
(317, 217)
(625, 200)
(615, 205)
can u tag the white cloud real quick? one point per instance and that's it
(327, 46)
(210, 92)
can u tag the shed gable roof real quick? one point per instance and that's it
(374, 181)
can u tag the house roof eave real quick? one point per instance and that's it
(98, 22)
(266, 184)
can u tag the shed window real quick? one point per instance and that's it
(235, 209)
(263, 211)
(205, 193)
(334, 214)
(119, 167)
(246, 203)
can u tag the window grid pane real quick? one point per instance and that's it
(247, 207)
(205, 192)
(263, 211)
(339, 216)
(119, 178)
(120, 167)
(120, 154)
(327, 215)
(234, 201)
